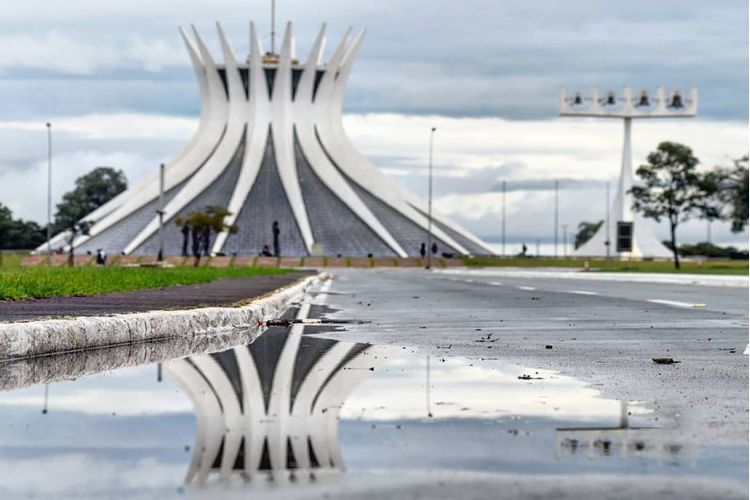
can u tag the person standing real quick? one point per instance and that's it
(423, 250)
(185, 238)
(434, 248)
(276, 243)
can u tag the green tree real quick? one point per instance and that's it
(201, 224)
(733, 193)
(672, 188)
(586, 231)
(91, 191)
(18, 234)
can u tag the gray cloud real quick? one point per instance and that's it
(472, 58)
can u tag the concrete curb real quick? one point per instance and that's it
(40, 338)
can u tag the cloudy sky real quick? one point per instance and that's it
(114, 79)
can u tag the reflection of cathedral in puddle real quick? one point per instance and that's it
(270, 410)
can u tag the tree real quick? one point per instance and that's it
(733, 193)
(586, 231)
(672, 188)
(18, 234)
(201, 225)
(91, 191)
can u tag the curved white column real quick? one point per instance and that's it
(278, 402)
(214, 112)
(365, 174)
(216, 163)
(233, 420)
(306, 113)
(281, 127)
(258, 108)
(255, 409)
(209, 418)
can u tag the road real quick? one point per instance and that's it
(602, 332)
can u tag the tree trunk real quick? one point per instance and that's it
(71, 252)
(675, 250)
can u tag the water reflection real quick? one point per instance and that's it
(294, 408)
(270, 410)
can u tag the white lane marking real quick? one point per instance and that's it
(469, 281)
(676, 303)
(582, 292)
(495, 283)
(528, 288)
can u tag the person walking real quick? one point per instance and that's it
(276, 243)
(434, 248)
(423, 250)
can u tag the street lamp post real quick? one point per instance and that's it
(160, 256)
(557, 187)
(607, 242)
(502, 235)
(429, 203)
(49, 190)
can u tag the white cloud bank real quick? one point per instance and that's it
(59, 52)
(472, 155)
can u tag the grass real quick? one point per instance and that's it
(11, 258)
(40, 282)
(733, 267)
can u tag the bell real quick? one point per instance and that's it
(577, 99)
(610, 99)
(643, 100)
(677, 100)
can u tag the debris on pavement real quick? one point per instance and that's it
(665, 361)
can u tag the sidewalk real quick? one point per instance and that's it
(218, 293)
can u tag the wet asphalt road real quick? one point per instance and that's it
(605, 333)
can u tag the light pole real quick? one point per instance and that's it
(160, 256)
(557, 187)
(49, 190)
(607, 241)
(502, 230)
(429, 204)
(637, 240)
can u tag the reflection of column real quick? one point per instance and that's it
(271, 408)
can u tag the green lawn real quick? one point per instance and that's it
(39, 282)
(11, 258)
(737, 267)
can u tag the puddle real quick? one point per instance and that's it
(292, 410)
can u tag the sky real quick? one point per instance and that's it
(116, 82)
